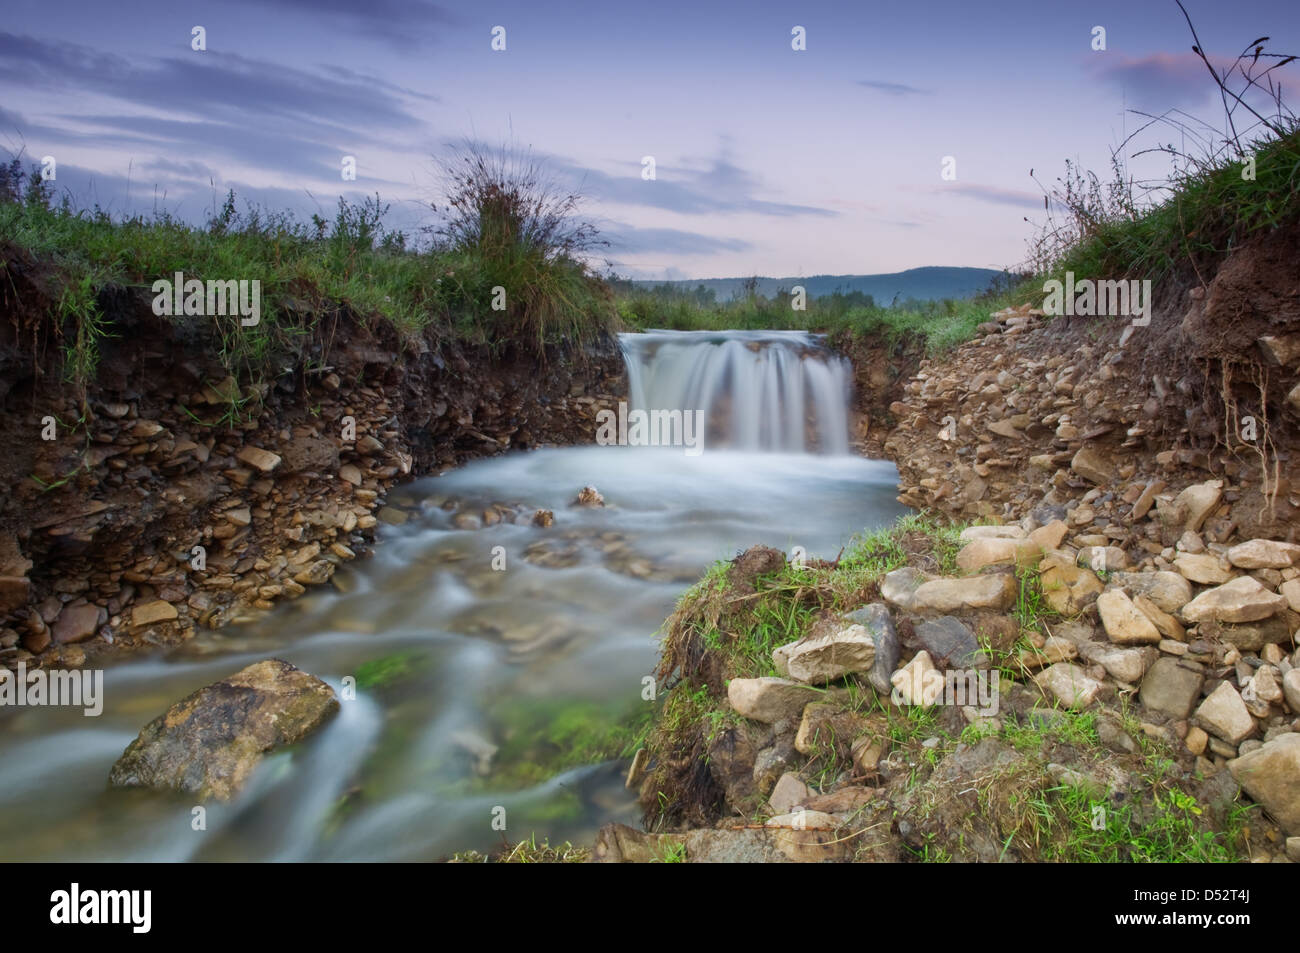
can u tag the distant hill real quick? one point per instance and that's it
(921, 283)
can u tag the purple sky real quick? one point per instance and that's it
(768, 161)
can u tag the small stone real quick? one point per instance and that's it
(256, 457)
(1196, 740)
(1172, 687)
(1122, 620)
(1241, 600)
(996, 591)
(1264, 554)
(1224, 715)
(1069, 684)
(769, 699)
(788, 794)
(350, 473)
(153, 612)
(1204, 568)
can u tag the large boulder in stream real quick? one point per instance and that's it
(209, 743)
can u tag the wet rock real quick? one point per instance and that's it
(1172, 687)
(543, 518)
(209, 743)
(1241, 600)
(1224, 715)
(1271, 776)
(589, 496)
(769, 699)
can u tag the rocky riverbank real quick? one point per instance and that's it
(1131, 601)
(168, 496)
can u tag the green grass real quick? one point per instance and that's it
(938, 325)
(1192, 221)
(304, 272)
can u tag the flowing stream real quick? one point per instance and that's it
(487, 660)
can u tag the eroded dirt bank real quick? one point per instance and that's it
(109, 492)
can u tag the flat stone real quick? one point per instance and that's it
(1168, 590)
(979, 553)
(1171, 687)
(1264, 554)
(996, 591)
(1243, 599)
(991, 532)
(832, 656)
(770, 699)
(153, 612)
(1271, 776)
(1224, 715)
(1123, 621)
(263, 460)
(78, 623)
(899, 586)
(1093, 466)
(1204, 568)
(350, 473)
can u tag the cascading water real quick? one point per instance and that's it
(756, 390)
(483, 659)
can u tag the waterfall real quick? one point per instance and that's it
(779, 391)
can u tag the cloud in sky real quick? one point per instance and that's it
(994, 194)
(1158, 81)
(403, 24)
(893, 89)
(628, 239)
